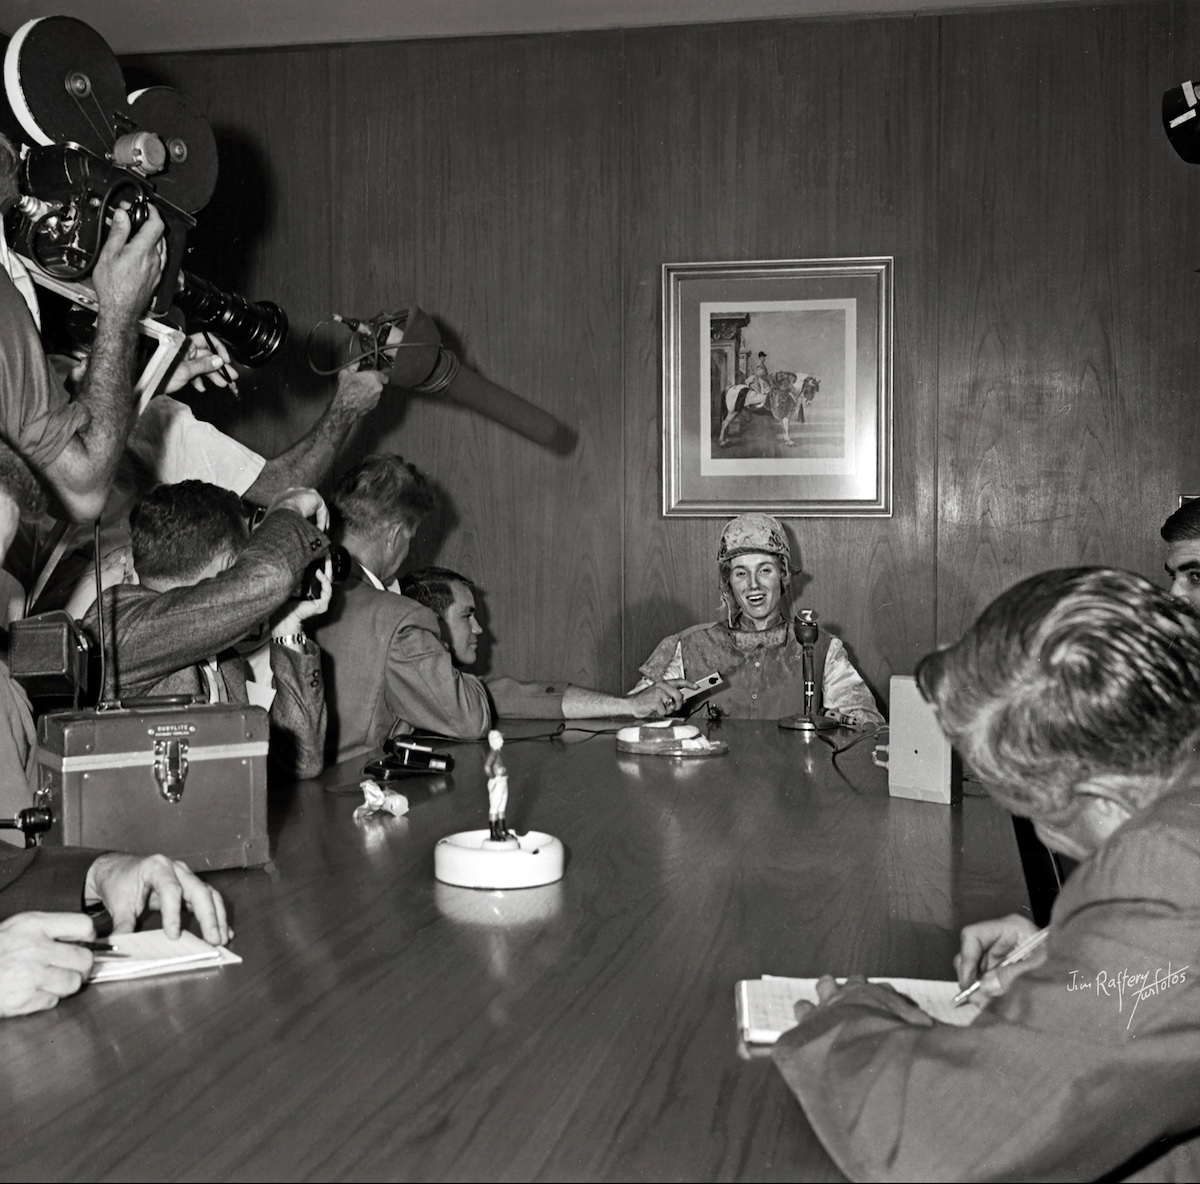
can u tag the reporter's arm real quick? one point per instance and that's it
(160, 634)
(661, 697)
(310, 459)
(423, 688)
(125, 276)
(43, 879)
(299, 717)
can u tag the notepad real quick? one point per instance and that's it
(152, 952)
(765, 1006)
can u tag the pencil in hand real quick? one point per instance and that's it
(1015, 955)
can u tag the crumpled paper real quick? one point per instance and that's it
(377, 800)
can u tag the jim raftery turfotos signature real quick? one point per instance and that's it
(1124, 986)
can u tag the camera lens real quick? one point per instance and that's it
(339, 563)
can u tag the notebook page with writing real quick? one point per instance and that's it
(765, 1005)
(151, 952)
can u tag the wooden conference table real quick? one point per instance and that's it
(385, 1026)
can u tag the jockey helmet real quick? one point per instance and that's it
(754, 533)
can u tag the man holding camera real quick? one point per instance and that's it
(205, 583)
(72, 446)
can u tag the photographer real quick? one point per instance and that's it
(72, 446)
(168, 445)
(205, 583)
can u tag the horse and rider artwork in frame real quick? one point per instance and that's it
(777, 387)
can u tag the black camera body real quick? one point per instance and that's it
(340, 564)
(49, 656)
(70, 198)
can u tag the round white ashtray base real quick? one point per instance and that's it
(465, 860)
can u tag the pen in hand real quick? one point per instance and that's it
(97, 947)
(1016, 955)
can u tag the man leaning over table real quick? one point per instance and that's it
(70, 888)
(1075, 698)
(388, 671)
(452, 597)
(755, 649)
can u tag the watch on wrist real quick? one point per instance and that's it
(296, 640)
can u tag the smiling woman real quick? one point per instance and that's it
(755, 650)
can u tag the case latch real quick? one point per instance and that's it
(171, 766)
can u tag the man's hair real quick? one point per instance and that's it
(178, 529)
(433, 587)
(382, 490)
(1184, 524)
(1070, 675)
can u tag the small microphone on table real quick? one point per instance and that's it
(807, 632)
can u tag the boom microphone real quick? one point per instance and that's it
(408, 344)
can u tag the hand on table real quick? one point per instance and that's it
(664, 697)
(127, 884)
(985, 945)
(856, 989)
(36, 970)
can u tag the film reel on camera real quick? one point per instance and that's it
(94, 149)
(65, 86)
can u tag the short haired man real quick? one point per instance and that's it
(1181, 533)
(1075, 698)
(204, 585)
(755, 649)
(452, 598)
(387, 670)
(42, 891)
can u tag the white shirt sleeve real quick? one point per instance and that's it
(674, 669)
(843, 689)
(175, 446)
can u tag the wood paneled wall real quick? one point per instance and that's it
(526, 191)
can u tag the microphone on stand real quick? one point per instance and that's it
(807, 633)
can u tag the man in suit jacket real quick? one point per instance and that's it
(38, 966)
(1075, 698)
(204, 585)
(387, 670)
(452, 597)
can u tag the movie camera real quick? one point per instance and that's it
(94, 149)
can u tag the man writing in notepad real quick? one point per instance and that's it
(1075, 698)
(38, 963)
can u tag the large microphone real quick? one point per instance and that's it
(409, 345)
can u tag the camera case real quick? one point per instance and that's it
(186, 779)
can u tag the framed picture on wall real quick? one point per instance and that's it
(777, 387)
